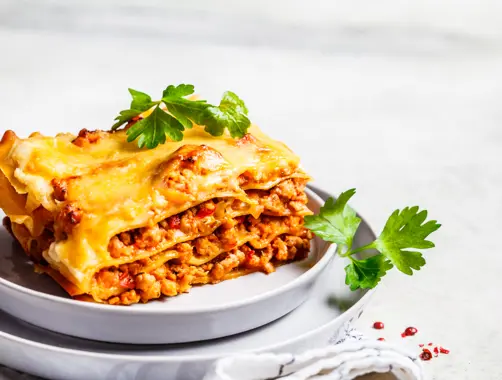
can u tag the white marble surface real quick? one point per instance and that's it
(401, 100)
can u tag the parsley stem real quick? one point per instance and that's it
(347, 252)
(357, 250)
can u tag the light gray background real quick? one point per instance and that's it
(400, 99)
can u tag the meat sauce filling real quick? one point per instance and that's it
(287, 198)
(263, 233)
(173, 278)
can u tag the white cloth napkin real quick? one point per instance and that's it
(350, 355)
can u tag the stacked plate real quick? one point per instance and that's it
(298, 307)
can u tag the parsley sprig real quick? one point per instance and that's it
(405, 229)
(174, 113)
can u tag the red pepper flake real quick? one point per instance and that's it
(378, 325)
(127, 281)
(250, 254)
(203, 212)
(444, 350)
(436, 352)
(426, 355)
(381, 339)
(174, 222)
(430, 344)
(421, 345)
(410, 331)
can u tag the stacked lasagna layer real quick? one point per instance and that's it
(121, 224)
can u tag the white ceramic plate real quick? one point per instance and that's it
(207, 312)
(53, 356)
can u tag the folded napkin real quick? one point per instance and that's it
(348, 356)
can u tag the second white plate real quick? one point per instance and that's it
(54, 356)
(207, 312)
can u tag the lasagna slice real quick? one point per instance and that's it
(119, 225)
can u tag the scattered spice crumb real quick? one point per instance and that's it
(378, 325)
(410, 331)
(381, 339)
(444, 350)
(426, 354)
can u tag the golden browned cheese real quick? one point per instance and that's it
(79, 192)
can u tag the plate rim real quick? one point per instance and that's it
(114, 309)
(190, 358)
(183, 358)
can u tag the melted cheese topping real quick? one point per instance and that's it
(118, 187)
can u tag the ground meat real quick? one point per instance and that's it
(188, 162)
(282, 249)
(60, 189)
(219, 241)
(173, 223)
(86, 138)
(126, 298)
(173, 278)
(255, 177)
(230, 262)
(148, 237)
(259, 231)
(287, 198)
(109, 279)
(191, 222)
(265, 228)
(298, 246)
(168, 287)
(148, 286)
(185, 251)
(228, 236)
(67, 219)
(207, 245)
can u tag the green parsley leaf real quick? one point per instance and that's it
(231, 100)
(153, 129)
(230, 114)
(141, 101)
(406, 229)
(337, 222)
(178, 91)
(124, 117)
(366, 274)
(183, 109)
